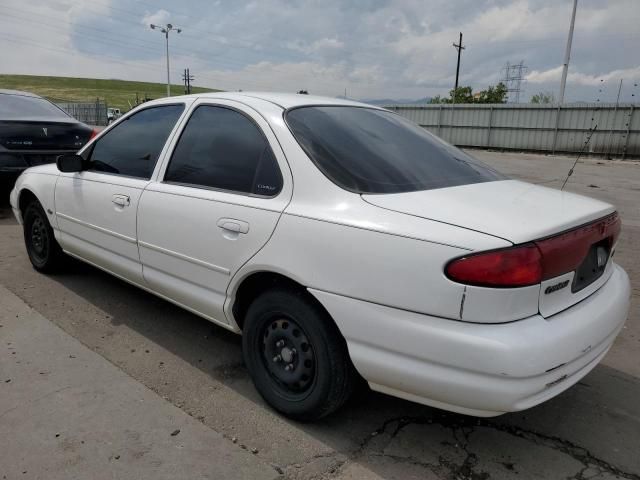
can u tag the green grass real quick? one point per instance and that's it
(117, 93)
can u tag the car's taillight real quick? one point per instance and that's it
(94, 134)
(510, 267)
(534, 262)
(565, 252)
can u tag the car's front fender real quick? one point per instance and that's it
(41, 184)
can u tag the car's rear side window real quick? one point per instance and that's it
(222, 148)
(367, 150)
(132, 147)
(16, 107)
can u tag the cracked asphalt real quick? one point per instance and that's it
(592, 431)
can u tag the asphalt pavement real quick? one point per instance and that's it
(591, 431)
(66, 413)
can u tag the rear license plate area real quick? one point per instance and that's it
(593, 266)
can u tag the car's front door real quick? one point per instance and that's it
(96, 208)
(224, 188)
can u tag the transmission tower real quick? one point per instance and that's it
(513, 79)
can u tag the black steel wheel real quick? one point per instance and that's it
(296, 356)
(42, 248)
(288, 357)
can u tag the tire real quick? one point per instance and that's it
(321, 377)
(42, 248)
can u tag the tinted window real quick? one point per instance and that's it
(15, 107)
(221, 148)
(132, 147)
(375, 151)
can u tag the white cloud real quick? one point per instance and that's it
(551, 75)
(554, 75)
(161, 17)
(374, 48)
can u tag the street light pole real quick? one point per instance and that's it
(567, 54)
(166, 35)
(166, 29)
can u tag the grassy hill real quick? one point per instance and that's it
(117, 93)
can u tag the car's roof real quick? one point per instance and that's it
(18, 92)
(284, 100)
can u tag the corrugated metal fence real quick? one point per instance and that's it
(92, 113)
(548, 128)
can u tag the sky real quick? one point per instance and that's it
(391, 49)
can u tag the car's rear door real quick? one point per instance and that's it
(215, 204)
(96, 208)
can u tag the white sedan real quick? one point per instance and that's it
(343, 242)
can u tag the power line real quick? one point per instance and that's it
(207, 56)
(143, 66)
(226, 62)
(203, 53)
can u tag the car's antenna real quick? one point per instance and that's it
(584, 146)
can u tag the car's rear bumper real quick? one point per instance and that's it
(480, 369)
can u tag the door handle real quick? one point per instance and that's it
(121, 200)
(233, 225)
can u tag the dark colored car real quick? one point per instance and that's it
(34, 131)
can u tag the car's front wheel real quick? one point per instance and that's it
(42, 248)
(296, 356)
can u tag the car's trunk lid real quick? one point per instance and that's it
(43, 135)
(510, 209)
(565, 226)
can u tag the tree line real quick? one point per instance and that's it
(492, 94)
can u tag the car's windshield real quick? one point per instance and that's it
(367, 150)
(16, 107)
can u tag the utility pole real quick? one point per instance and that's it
(567, 54)
(459, 48)
(166, 29)
(187, 79)
(184, 80)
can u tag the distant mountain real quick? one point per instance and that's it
(397, 101)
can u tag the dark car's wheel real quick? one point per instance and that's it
(296, 356)
(44, 252)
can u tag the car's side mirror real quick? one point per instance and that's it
(70, 162)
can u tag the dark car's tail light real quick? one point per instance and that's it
(94, 134)
(534, 262)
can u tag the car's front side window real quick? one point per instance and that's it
(133, 146)
(222, 148)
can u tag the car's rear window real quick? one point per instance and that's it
(367, 150)
(16, 107)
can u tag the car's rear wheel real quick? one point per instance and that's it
(42, 248)
(296, 356)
